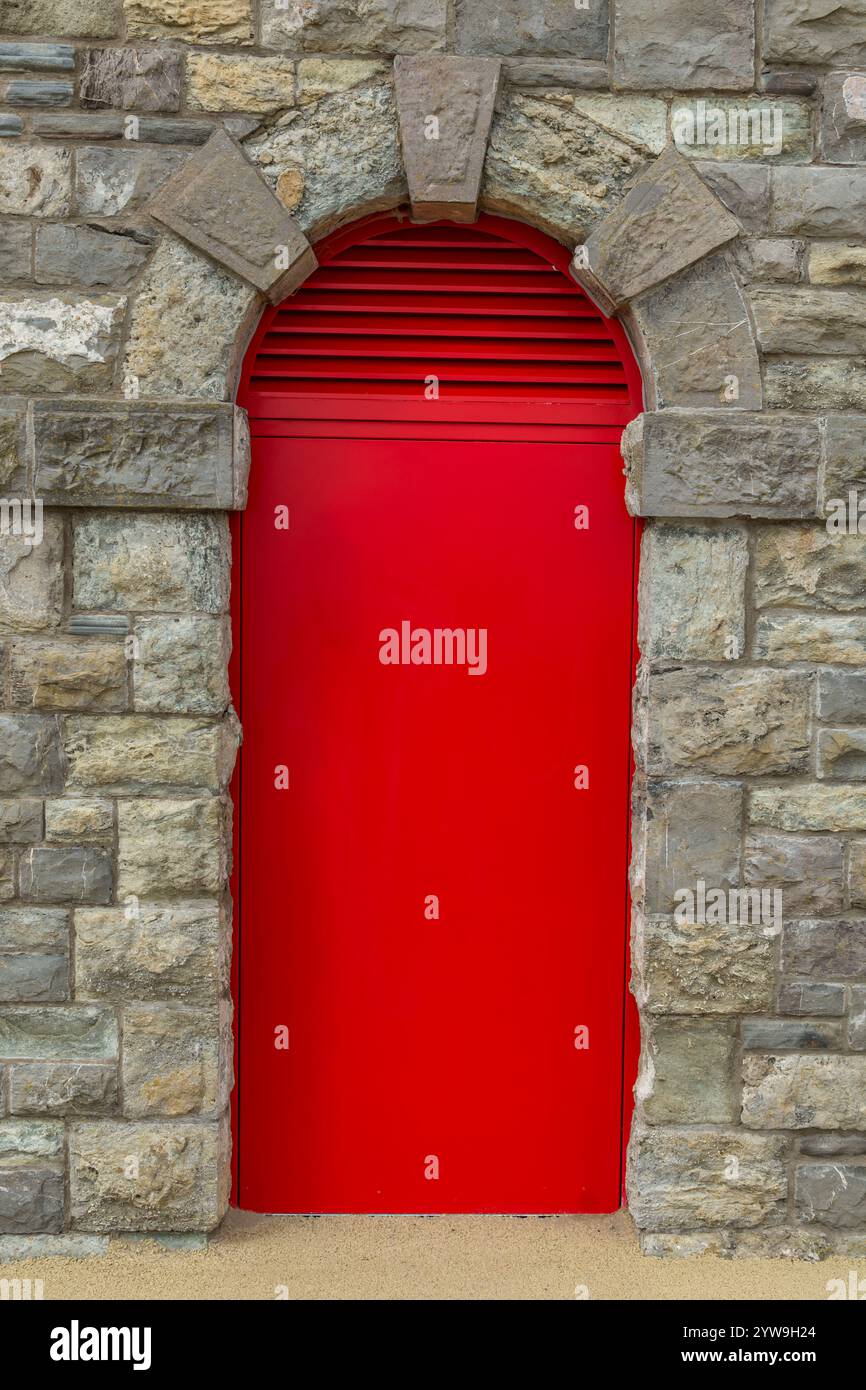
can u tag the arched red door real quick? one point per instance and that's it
(434, 596)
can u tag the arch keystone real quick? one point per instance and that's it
(445, 108)
(219, 203)
(668, 220)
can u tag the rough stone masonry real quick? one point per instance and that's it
(151, 153)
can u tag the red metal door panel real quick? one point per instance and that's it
(414, 1039)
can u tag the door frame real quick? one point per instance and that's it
(529, 420)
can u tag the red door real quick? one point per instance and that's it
(435, 648)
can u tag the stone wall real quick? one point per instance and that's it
(153, 153)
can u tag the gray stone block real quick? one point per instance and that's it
(833, 1145)
(842, 696)
(169, 848)
(62, 1088)
(693, 1078)
(743, 188)
(35, 180)
(29, 753)
(31, 1200)
(84, 1032)
(557, 28)
(728, 722)
(857, 1018)
(807, 870)
(825, 950)
(832, 1193)
(70, 874)
(20, 822)
(139, 563)
(793, 1091)
(721, 463)
(34, 928)
(44, 93)
(10, 125)
(842, 753)
(818, 202)
(15, 251)
(693, 831)
(33, 977)
(379, 26)
(140, 454)
(175, 1060)
(779, 1035)
(132, 79)
(804, 33)
(445, 108)
(220, 204)
(693, 1179)
(37, 57)
(113, 181)
(684, 44)
(180, 665)
(843, 117)
(70, 19)
(64, 1247)
(804, 320)
(667, 220)
(811, 999)
(88, 256)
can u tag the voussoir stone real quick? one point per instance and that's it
(125, 454)
(668, 219)
(813, 1091)
(151, 563)
(693, 1179)
(174, 952)
(445, 107)
(178, 1182)
(131, 78)
(686, 44)
(220, 204)
(721, 463)
(729, 721)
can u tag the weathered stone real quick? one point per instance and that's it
(703, 969)
(825, 950)
(380, 26)
(639, 120)
(177, 952)
(837, 263)
(728, 722)
(767, 1243)
(806, 998)
(220, 204)
(60, 342)
(811, 807)
(831, 1145)
(699, 339)
(31, 1199)
(39, 93)
(10, 125)
(197, 21)
(323, 77)
(694, 1179)
(35, 180)
(843, 116)
(87, 256)
(180, 665)
(690, 44)
(842, 697)
(36, 57)
(133, 79)
(692, 831)
(34, 929)
(444, 163)
(13, 468)
(666, 221)
(769, 258)
(29, 753)
(811, 637)
(808, 872)
(818, 202)
(98, 625)
(20, 823)
(168, 848)
(60, 1033)
(804, 320)
(72, 19)
(798, 32)
(8, 887)
(112, 181)
(15, 250)
(555, 72)
(72, 820)
(31, 578)
(549, 164)
(692, 1072)
(342, 174)
(71, 874)
(229, 82)
(806, 566)
(844, 470)
(63, 1088)
(68, 674)
(777, 128)
(857, 1019)
(832, 1193)
(683, 463)
(140, 563)
(693, 592)
(178, 1181)
(156, 130)
(24, 1141)
(117, 453)
(140, 752)
(33, 977)
(804, 1092)
(173, 1061)
(524, 27)
(743, 188)
(842, 753)
(183, 326)
(775, 1034)
(802, 384)
(47, 1246)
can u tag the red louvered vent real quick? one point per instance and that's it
(486, 317)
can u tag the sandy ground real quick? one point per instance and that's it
(410, 1257)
